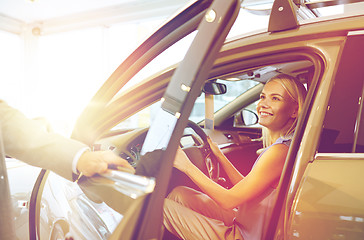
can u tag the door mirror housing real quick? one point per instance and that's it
(245, 117)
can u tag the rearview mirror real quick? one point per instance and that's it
(214, 88)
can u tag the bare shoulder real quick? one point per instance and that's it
(269, 166)
(276, 153)
(277, 148)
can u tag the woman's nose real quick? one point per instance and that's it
(263, 103)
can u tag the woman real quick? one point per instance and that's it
(239, 212)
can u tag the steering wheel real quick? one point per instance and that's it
(209, 159)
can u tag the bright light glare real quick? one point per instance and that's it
(72, 66)
(10, 61)
(70, 70)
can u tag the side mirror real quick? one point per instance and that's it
(244, 118)
(214, 88)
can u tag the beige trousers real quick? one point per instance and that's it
(190, 214)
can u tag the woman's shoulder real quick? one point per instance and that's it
(278, 147)
(273, 157)
(284, 140)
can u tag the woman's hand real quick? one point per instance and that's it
(181, 161)
(214, 147)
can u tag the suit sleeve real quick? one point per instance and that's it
(25, 140)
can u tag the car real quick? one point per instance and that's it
(320, 193)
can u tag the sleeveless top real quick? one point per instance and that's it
(253, 215)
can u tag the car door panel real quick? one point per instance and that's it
(331, 197)
(240, 146)
(93, 208)
(242, 156)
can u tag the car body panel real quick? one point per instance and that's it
(21, 178)
(331, 196)
(65, 204)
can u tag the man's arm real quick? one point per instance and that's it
(26, 140)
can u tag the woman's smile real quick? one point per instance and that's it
(265, 114)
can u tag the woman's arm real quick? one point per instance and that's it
(265, 174)
(234, 175)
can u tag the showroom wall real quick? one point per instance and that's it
(51, 69)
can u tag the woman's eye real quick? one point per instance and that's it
(275, 99)
(262, 97)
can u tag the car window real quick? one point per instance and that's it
(344, 121)
(140, 119)
(167, 58)
(234, 89)
(162, 62)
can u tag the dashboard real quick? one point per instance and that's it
(127, 145)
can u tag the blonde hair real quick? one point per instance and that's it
(297, 91)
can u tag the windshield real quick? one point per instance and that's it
(234, 89)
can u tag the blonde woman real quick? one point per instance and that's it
(238, 212)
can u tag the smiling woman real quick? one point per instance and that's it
(210, 214)
(280, 104)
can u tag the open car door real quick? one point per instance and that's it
(185, 86)
(139, 199)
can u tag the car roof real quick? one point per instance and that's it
(306, 11)
(307, 8)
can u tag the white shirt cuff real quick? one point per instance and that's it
(77, 157)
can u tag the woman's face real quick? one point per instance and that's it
(276, 109)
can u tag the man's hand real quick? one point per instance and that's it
(91, 163)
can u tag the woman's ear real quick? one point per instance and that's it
(295, 112)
